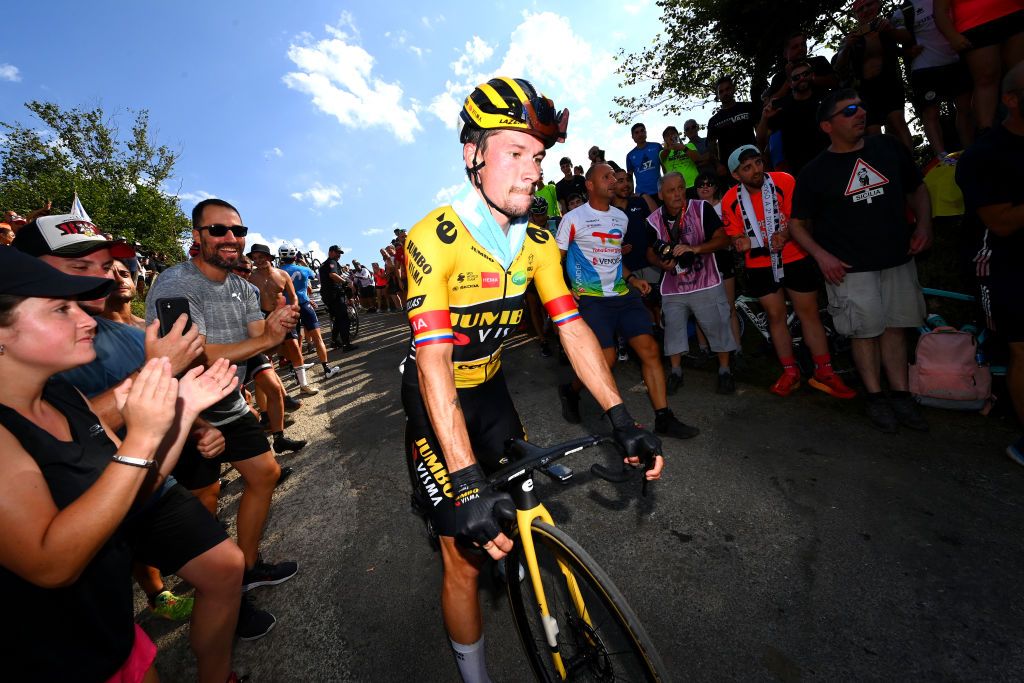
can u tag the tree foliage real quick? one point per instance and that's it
(704, 39)
(119, 179)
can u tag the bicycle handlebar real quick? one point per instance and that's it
(527, 457)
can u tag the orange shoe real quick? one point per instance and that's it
(832, 385)
(785, 385)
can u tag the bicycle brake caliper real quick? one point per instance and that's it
(551, 631)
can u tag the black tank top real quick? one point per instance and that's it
(85, 631)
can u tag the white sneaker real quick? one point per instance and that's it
(308, 390)
(305, 366)
(332, 372)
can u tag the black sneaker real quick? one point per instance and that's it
(266, 574)
(667, 425)
(882, 416)
(283, 443)
(907, 413)
(291, 404)
(673, 383)
(285, 473)
(545, 349)
(570, 404)
(726, 383)
(253, 622)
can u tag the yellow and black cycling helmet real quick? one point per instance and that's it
(512, 104)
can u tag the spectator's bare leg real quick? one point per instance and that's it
(208, 496)
(933, 129)
(318, 344)
(734, 318)
(260, 474)
(868, 359)
(986, 69)
(148, 579)
(894, 358)
(896, 125)
(651, 368)
(269, 384)
(805, 304)
(964, 120)
(774, 306)
(217, 577)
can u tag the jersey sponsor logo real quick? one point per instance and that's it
(417, 258)
(508, 317)
(461, 339)
(446, 230)
(490, 280)
(473, 248)
(865, 183)
(519, 278)
(467, 277)
(606, 260)
(415, 302)
(613, 236)
(432, 473)
(538, 235)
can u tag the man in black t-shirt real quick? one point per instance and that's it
(570, 184)
(331, 282)
(634, 245)
(849, 214)
(989, 176)
(732, 126)
(795, 114)
(794, 51)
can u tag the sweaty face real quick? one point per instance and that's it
(751, 172)
(511, 167)
(221, 252)
(96, 264)
(673, 193)
(124, 290)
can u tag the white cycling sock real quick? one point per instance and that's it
(470, 659)
(300, 374)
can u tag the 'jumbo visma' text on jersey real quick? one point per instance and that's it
(592, 241)
(459, 294)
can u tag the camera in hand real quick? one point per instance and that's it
(684, 262)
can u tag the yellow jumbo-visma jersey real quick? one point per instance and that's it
(459, 294)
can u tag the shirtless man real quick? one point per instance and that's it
(272, 283)
(118, 306)
(871, 52)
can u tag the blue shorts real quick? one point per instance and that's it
(292, 333)
(307, 316)
(610, 315)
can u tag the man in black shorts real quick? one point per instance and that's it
(226, 311)
(849, 213)
(989, 175)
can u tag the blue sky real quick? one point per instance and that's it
(323, 122)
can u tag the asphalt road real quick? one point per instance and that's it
(788, 542)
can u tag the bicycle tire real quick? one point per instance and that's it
(612, 646)
(353, 323)
(314, 265)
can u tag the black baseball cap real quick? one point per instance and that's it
(24, 275)
(335, 247)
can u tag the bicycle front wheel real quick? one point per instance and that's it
(602, 642)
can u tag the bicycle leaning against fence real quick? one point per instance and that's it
(574, 623)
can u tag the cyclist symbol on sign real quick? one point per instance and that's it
(865, 183)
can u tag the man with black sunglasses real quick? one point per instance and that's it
(849, 213)
(795, 114)
(226, 311)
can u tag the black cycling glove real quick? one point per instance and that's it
(477, 506)
(634, 439)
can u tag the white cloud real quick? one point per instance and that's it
(636, 6)
(432, 22)
(9, 72)
(477, 52)
(195, 197)
(373, 231)
(445, 194)
(274, 152)
(322, 196)
(337, 73)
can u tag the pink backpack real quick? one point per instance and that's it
(946, 373)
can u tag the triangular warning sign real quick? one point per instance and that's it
(864, 177)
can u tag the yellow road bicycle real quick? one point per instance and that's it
(574, 624)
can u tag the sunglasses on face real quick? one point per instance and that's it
(848, 111)
(799, 76)
(699, 185)
(218, 230)
(242, 271)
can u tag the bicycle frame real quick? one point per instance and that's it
(528, 509)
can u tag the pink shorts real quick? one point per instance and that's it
(139, 660)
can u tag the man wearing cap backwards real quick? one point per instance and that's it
(226, 311)
(756, 215)
(469, 265)
(849, 214)
(332, 293)
(174, 534)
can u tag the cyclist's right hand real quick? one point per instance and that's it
(477, 509)
(636, 441)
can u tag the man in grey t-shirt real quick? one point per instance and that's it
(226, 311)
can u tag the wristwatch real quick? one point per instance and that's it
(134, 462)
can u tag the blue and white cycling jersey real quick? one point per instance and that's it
(592, 241)
(300, 276)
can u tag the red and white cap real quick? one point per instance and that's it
(63, 235)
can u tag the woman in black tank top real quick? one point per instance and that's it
(66, 484)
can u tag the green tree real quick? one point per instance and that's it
(118, 178)
(704, 39)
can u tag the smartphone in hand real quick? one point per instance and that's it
(169, 310)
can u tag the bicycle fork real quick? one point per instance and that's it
(525, 517)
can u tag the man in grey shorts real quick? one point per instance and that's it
(685, 234)
(849, 214)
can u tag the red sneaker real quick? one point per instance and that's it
(832, 385)
(785, 385)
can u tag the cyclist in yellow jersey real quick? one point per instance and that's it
(468, 267)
